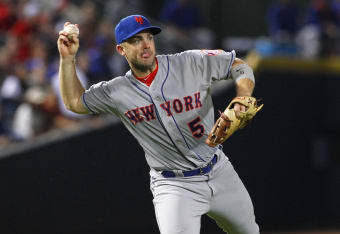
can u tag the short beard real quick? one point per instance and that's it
(142, 67)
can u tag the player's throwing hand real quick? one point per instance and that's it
(68, 42)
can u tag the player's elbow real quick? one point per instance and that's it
(237, 61)
(70, 107)
(76, 107)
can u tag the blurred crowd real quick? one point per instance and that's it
(30, 102)
(309, 31)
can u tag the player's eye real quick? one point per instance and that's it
(150, 37)
(135, 41)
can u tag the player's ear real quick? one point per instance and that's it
(120, 49)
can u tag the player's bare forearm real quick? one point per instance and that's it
(70, 87)
(244, 87)
(244, 82)
(243, 74)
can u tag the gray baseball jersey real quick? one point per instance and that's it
(171, 118)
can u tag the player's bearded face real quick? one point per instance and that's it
(140, 51)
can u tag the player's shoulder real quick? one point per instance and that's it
(186, 53)
(109, 85)
(181, 56)
(200, 53)
(117, 80)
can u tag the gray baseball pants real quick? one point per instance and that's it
(180, 202)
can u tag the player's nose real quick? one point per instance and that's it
(146, 44)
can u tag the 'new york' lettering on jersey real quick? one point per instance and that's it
(177, 105)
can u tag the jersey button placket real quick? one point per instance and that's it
(179, 142)
(170, 127)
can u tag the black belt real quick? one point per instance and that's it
(198, 171)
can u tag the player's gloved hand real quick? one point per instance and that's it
(237, 115)
(239, 108)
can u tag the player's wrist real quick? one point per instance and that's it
(70, 59)
(243, 91)
(244, 95)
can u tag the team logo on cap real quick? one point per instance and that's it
(139, 19)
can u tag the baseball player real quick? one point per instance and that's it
(165, 102)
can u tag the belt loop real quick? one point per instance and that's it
(178, 173)
(201, 171)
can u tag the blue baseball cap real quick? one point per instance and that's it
(131, 25)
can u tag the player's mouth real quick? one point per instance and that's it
(146, 55)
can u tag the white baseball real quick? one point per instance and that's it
(71, 29)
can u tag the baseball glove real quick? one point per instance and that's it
(229, 122)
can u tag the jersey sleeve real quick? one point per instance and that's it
(97, 99)
(212, 64)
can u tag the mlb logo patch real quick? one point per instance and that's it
(211, 52)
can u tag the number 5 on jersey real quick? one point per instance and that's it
(196, 128)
